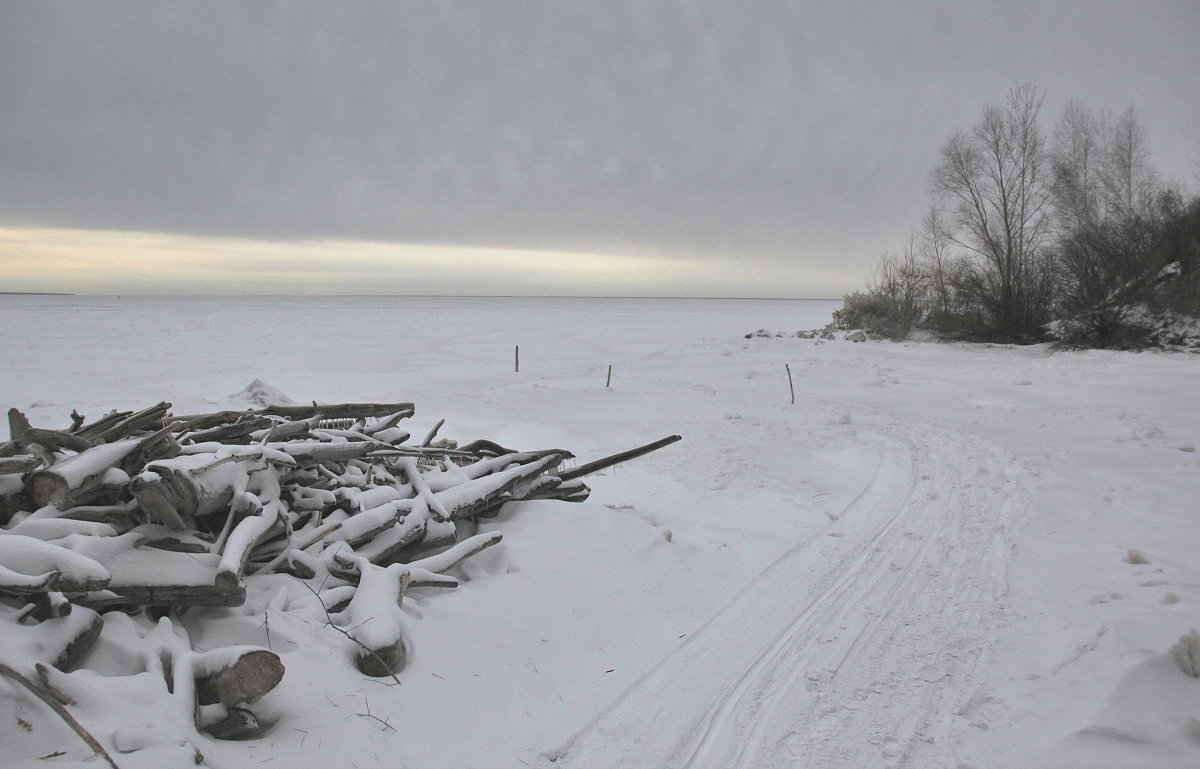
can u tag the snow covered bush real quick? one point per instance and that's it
(870, 312)
(1135, 557)
(1186, 652)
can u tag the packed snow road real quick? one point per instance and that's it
(857, 647)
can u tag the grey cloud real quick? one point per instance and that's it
(761, 129)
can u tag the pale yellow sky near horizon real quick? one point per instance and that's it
(59, 260)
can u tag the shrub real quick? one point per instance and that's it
(872, 312)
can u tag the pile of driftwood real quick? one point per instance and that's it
(150, 511)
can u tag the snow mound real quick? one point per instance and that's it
(263, 394)
(1150, 721)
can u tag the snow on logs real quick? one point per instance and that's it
(148, 510)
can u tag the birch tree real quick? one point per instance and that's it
(994, 187)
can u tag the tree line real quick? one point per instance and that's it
(1030, 235)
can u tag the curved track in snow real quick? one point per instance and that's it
(857, 647)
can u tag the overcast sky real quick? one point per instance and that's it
(738, 149)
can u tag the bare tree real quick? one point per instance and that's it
(1102, 168)
(1129, 178)
(1078, 157)
(995, 189)
(1106, 195)
(938, 264)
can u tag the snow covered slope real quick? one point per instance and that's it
(941, 556)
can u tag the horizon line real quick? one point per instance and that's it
(433, 296)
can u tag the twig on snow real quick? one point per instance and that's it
(369, 714)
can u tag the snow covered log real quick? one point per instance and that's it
(236, 674)
(448, 559)
(22, 434)
(319, 452)
(56, 527)
(235, 432)
(83, 628)
(84, 476)
(19, 463)
(177, 490)
(149, 419)
(438, 535)
(16, 583)
(373, 620)
(59, 641)
(245, 535)
(33, 558)
(321, 411)
(480, 495)
(144, 575)
(390, 544)
(82, 430)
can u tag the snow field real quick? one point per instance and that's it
(924, 563)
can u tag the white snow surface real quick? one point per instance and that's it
(942, 556)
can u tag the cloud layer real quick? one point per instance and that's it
(766, 132)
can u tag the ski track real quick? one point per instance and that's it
(856, 647)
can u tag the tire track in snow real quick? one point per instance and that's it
(857, 646)
(924, 613)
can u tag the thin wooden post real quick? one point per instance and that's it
(790, 387)
(608, 382)
(517, 358)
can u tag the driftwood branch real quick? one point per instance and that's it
(155, 416)
(20, 463)
(448, 559)
(326, 411)
(23, 434)
(614, 459)
(432, 433)
(60, 711)
(78, 426)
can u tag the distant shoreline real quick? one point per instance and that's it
(428, 296)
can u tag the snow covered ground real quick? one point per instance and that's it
(942, 556)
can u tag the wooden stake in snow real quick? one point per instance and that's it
(608, 382)
(790, 387)
(516, 358)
